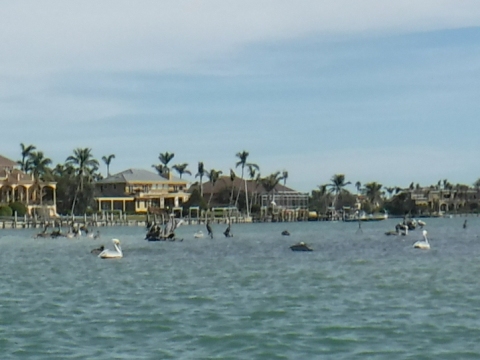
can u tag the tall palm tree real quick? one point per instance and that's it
(201, 173)
(337, 186)
(358, 186)
(233, 176)
(165, 158)
(284, 177)
(39, 167)
(242, 156)
(84, 163)
(255, 179)
(84, 166)
(324, 194)
(26, 152)
(38, 164)
(107, 160)
(181, 169)
(213, 176)
(373, 193)
(270, 182)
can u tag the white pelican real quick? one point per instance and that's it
(422, 244)
(198, 234)
(421, 223)
(112, 254)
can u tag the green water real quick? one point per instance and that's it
(357, 296)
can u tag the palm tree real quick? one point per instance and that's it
(181, 169)
(84, 165)
(213, 176)
(284, 177)
(201, 173)
(358, 186)
(390, 191)
(232, 180)
(254, 178)
(26, 152)
(159, 168)
(38, 165)
(373, 193)
(243, 162)
(270, 182)
(165, 158)
(325, 194)
(337, 186)
(107, 160)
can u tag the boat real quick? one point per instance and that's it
(301, 246)
(362, 216)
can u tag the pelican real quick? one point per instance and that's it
(422, 244)
(421, 223)
(112, 254)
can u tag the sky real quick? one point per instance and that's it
(376, 90)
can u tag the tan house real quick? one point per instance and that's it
(457, 198)
(15, 185)
(138, 191)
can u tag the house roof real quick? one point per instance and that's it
(4, 162)
(138, 176)
(252, 186)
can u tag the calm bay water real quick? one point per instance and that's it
(357, 296)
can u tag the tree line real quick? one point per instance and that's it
(75, 179)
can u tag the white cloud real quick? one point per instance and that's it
(124, 35)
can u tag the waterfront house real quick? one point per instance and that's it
(139, 191)
(281, 200)
(15, 185)
(455, 198)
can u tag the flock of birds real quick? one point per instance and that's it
(403, 228)
(103, 253)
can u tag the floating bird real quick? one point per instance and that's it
(301, 246)
(421, 223)
(209, 229)
(112, 254)
(422, 244)
(227, 232)
(198, 234)
(98, 250)
(285, 233)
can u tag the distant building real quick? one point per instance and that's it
(282, 196)
(456, 198)
(139, 191)
(38, 196)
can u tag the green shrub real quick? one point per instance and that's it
(6, 211)
(18, 207)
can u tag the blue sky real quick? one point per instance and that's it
(380, 92)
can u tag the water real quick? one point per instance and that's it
(357, 296)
